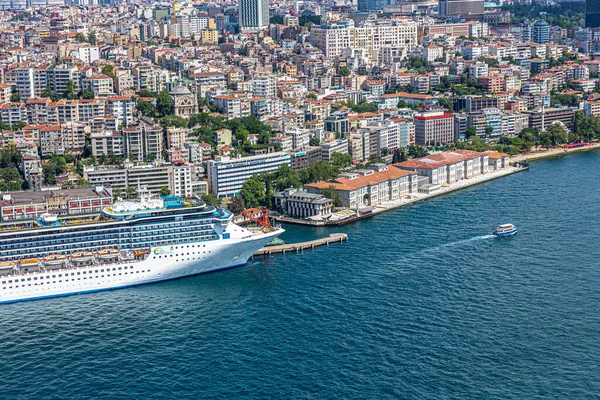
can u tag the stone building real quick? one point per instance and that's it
(184, 101)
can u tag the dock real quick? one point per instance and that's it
(298, 247)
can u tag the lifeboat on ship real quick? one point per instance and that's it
(82, 257)
(7, 267)
(108, 254)
(55, 260)
(29, 264)
(140, 253)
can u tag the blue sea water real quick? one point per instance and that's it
(420, 303)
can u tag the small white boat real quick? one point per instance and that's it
(504, 230)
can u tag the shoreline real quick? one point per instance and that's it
(390, 205)
(552, 153)
(449, 188)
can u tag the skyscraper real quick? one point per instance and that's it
(592, 14)
(254, 15)
(460, 7)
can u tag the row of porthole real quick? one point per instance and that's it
(67, 280)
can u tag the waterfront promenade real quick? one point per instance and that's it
(552, 153)
(446, 189)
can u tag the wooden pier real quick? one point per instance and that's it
(298, 247)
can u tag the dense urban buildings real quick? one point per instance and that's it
(222, 100)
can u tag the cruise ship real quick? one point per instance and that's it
(129, 243)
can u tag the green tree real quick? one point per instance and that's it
(447, 104)
(489, 130)
(147, 93)
(10, 180)
(15, 97)
(117, 193)
(47, 93)
(471, 131)
(87, 94)
(344, 71)
(286, 177)
(82, 182)
(80, 37)
(253, 192)
(131, 192)
(165, 191)
(211, 200)
(399, 156)
(384, 151)
(341, 160)
(311, 96)
(145, 107)
(416, 150)
(10, 156)
(108, 70)
(237, 205)
(558, 134)
(491, 62)
(164, 103)
(92, 38)
(314, 141)
(69, 90)
(174, 120)
(545, 140)
(330, 193)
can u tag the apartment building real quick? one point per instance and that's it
(434, 127)
(227, 175)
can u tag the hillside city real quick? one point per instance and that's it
(309, 108)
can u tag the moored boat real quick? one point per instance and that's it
(504, 230)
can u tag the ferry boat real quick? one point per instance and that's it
(504, 230)
(131, 243)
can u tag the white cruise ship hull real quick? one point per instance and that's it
(163, 263)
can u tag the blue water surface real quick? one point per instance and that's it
(420, 303)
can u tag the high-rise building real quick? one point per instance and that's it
(460, 7)
(540, 33)
(592, 14)
(254, 15)
(371, 5)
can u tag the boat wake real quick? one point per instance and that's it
(470, 240)
(458, 243)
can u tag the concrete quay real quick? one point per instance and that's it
(297, 247)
